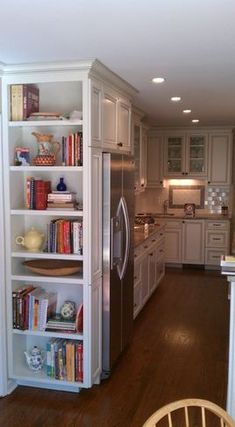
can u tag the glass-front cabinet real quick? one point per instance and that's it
(197, 154)
(186, 155)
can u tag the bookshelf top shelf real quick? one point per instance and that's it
(46, 168)
(35, 123)
(48, 212)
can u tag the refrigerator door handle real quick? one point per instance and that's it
(123, 206)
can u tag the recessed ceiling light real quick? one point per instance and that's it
(175, 98)
(195, 120)
(187, 111)
(158, 80)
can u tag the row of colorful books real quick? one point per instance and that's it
(36, 193)
(72, 149)
(31, 307)
(64, 360)
(65, 236)
(24, 101)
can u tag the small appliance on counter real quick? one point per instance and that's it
(144, 218)
(189, 209)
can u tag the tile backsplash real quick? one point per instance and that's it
(151, 200)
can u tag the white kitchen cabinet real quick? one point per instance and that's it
(139, 150)
(220, 158)
(116, 120)
(149, 268)
(193, 241)
(173, 242)
(154, 161)
(185, 155)
(217, 241)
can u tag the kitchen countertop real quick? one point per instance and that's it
(141, 234)
(197, 216)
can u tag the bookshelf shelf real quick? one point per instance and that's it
(70, 280)
(22, 169)
(44, 123)
(48, 212)
(40, 379)
(45, 255)
(48, 334)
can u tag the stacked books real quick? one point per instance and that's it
(36, 193)
(65, 236)
(72, 149)
(45, 115)
(61, 200)
(31, 308)
(64, 360)
(58, 323)
(24, 101)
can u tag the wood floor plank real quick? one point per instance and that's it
(179, 350)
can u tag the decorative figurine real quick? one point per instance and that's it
(68, 310)
(35, 358)
(47, 149)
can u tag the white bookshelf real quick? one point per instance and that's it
(63, 87)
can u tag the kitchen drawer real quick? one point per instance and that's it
(174, 224)
(219, 239)
(161, 251)
(217, 225)
(213, 256)
(137, 300)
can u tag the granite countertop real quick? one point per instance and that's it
(205, 215)
(141, 233)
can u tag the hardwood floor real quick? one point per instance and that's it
(179, 350)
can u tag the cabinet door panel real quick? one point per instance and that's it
(124, 124)
(193, 242)
(220, 159)
(196, 155)
(173, 245)
(174, 156)
(154, 161)
(109, 118)
(152, 270)
(96, 97)
(144, 279)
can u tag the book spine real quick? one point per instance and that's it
(13, 95)
(40, 195)
(81, 149)
(48, 359)
(63, 151)
(78, 162)
(19, 102)
(80, 361)
(66, 237)
(14, 307)
(32, 193)
(27, 193)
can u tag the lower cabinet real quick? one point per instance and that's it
(193, 242)
(196, 241)
(149, 269)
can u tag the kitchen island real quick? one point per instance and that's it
(149, 262)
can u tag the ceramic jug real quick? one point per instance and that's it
(35, 358)
(32, 240)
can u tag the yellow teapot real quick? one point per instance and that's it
(32, 240)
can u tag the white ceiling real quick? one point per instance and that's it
(189, 42)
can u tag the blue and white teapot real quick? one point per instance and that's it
(35, 358)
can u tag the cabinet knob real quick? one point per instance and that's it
(183, 173)
(161, 182)
(151, 254)
(182, 222)
(145, 247)
(142, 185)
(209, 182)
(186, 173)
(119, 144)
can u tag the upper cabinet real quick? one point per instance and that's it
(139, 138)
(185, 155)
(154, 161)
(116, 120)
(220, 158)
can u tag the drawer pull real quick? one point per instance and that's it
(216, 238)
(145, 247)
(151, 254)
(135, 256)
(215, 257)
(217, 225)
(153, 240)
(135, 277)
(161, 250)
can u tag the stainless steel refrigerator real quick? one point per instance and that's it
(118, 223)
